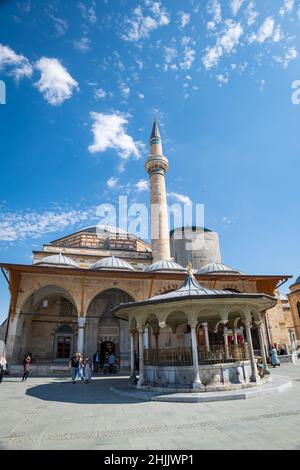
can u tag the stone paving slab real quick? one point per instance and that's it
(52, 413)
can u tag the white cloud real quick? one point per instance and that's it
(60, 25)
(142, 185)
(180, 198)
(235, 6)
(125, 90)
(210, 25)
(100, 94)
(110, 133)
(184, 19)
(112, 182)
(140, 25)
(18, 65)
(170, 54)
(55, 82)
(141, 96)
(214, 9)
(291, 54)
(31, 224)
(188, 58)
(82, 44)
(88, 13)
(265, 31)
(278, 34)
(222, 79)
(287, 7)
(251, 14)
(226, 43)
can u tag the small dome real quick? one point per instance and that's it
(217, 268)
(59, 260)
(112, 263)
(297, 280)
(164, 265)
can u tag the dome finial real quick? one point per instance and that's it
(189, 268)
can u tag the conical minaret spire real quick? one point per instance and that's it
(157, 166)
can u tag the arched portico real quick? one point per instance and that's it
(102, 327)
(39, 324)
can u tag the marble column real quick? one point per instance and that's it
(235, 343)
(259, 326)
(254, 373)
(205, 326)
(80, 338)
(225, 335)
(156, 347)
(132, 377)
(197, 381)
(141, 357)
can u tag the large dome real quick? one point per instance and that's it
(57, 260)
(112, 263)
(217, 268)
(164, 265)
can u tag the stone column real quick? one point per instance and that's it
(197, 381)
(132, 377)
(80, 338)
(156, 347)
(141, 357)
(205, 326)
(12, 338)
(236, 344)
(254, 374)
(225, 335)
(262, 346)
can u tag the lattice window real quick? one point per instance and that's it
(66, 308)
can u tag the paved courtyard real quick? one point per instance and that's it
(52, 413)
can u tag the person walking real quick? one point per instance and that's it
(26, 367)
(112, 363)
(87, 371)
(274, 356)
(74, 366)
(106, 364)
(2, 367)
(96, 361)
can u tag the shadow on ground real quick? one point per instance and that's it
(96, 392)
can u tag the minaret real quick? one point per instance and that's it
(157, 166)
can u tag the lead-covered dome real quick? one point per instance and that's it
(297, 280)
(217, 268)
(111, 262)
(165, 265)
(57, 260)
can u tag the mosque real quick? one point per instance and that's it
(66, 300)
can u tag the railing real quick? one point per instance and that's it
(217, 354)
(168, 357)
(184, 357)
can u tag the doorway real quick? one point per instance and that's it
(106, 347)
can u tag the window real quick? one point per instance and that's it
(298, 307)
(63, 347)
(66, 308)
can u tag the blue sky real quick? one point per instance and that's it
(83, 83)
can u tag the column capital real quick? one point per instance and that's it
(193, 323)
(258, 323)
(81, 322)
(204, 324)
(141, 330)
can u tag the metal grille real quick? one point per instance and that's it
(66, 308)
(184, 356)
(168, 357)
